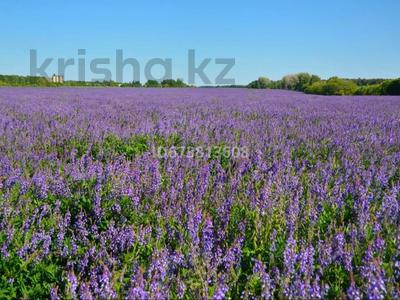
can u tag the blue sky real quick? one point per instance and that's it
(358, 38)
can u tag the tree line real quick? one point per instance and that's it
(36, 81)
(167, 83)
(312, 84)
(302, 82)
(15, 80)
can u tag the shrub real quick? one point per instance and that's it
(388, 87)
(260, 83)
(373, 89)
(152, 84)
(135, 84)
(171, 83)
(391, 87)
(332, 86)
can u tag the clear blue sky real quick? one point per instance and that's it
(348, 38)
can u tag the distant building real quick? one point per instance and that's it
(57, 78)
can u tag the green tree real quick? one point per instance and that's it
(180, 83)
(264, 82)
(260, 83)
(289, 82)
(152, 84)
(303, 79)
(168, 83)
(136, 84)
(372, 89)
(391, 87)
(298, 82)
(332, 86)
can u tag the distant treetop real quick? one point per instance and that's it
(312, 84)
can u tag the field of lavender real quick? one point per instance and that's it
(88, 210)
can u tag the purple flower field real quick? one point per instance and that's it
(88, 210)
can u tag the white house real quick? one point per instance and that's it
(57, 78)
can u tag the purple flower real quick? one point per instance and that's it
(353, 293)
(374, 275)
(289, 255)
(106, 290)
(41, 185)
(306, 259)
(315, 289)
(267, 286)
(84, 292)
(208, 238)
(72, 284)
(54, 294)
(220, 291)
